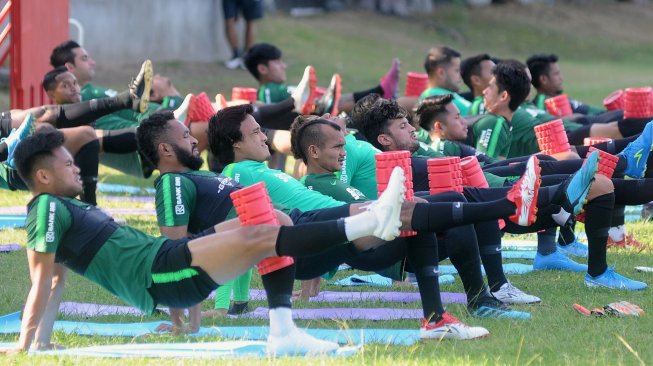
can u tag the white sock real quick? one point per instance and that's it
(281, 322)
(360, 225)
(561, 217)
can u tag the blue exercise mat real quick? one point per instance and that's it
(122, 188)
(518, 254)
(10, 324)
(9, 221)
(508, 268)
(380, 281)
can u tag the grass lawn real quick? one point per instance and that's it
(595, 58)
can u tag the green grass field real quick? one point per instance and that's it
(602, 49)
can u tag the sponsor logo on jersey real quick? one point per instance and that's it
(484, 140)
(49, 234)
(180, 209)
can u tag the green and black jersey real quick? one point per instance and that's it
(492, 135)
(478, 107)
(88, 241)
(329, 185)
(423, 136)
(273, 92)
(198, 199)
(359, 167)
(283, 189)
(460, 102)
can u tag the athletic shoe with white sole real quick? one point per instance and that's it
(17, 135)
(387, 208)
(181, 113)
(304, 94)
(328, 103)
(141, 86)
(298, 342)
(509, 294)
(220, 102)
(524, 194)
(449, 327)
(637, 152)
(489, 307)
(558, 262)
(390, 80)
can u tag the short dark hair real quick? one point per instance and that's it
(261, 53)
(33, 150)
(362, 106)
(439, 56)
(510, 76)
(433, 108)
(49, 80)
(472, 66)
(306, 131)
(63, 53)
(150, 133)
(375, 120)
(539, 65)
(224, 131)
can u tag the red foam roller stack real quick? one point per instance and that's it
(445, 174)
(607, 162)
(552, 138)
(614, 101)
(385, 163)
(416, 83)
(558, 106)
(589, 141)
(472, 173)
(638, 102)
(241, 93)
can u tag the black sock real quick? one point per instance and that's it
(489, 247)
(278, 287)
(597, 224)
(438, 216)
(363, 93)
(566, 235)
(121, 141)
(84, 113)
(4, 151)
(87, 159)
(618, 215)
(546, 241)
(422, 254)
(633, 191)
(311, 238)
(462, 247)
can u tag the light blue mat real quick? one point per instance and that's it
(9, 221)
(518, 254)
(121, 188)
(10, 324)
(381, 281)
(508, 268)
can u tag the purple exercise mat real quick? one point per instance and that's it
(344, 313)
(86, 309)
(10, 247)
(355, 296)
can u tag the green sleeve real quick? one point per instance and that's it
(331, 186)
(273, 93)
(427, 151)
(47, 222)
(90, 91)
(423, 136)
(492, 136)
(175, 200)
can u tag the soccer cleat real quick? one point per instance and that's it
(181, 113)
(637, 152)
(298, 342)
(304, 93)
(524, 194)
(558, 262)
(390, 80)
(387, 208)
(613, 280)
(489, 307)
(17, 135)
(234, 63)
(572, 193)
(141, 86)
(449, 327)
(328, 103)
(576, 249)
(220, 102)
(509, 294)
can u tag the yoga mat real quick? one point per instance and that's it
(518, 254)
(10, 324)
(390, 296)
(508, 268)
(9, 221)
(20, 211)
(122, 188)
(343, 314)
(143, 199)
(4, 248)
(86, 309)
(380, 281)
(13, 210)
(510, 244)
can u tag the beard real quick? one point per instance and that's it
(187, 159)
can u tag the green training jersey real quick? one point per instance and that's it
(273, 93)
(492, 135)
(88, 241)
(283, 189)
(478, 107)
(427, 151)
(359, 167)
(524, 141)
(423, 135)
(460, 102)
(329, 184)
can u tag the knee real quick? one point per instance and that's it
(601, 185)
(284, 219)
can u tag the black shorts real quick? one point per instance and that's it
(175, 283)
(251, 9)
